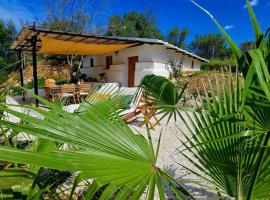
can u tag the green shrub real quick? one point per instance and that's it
(17, 90)
(60, 81)
(218, 64)
(41, 84)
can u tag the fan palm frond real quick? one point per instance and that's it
(163, 93)
(230, 133)
(108, 151)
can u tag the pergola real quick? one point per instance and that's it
(44, 41)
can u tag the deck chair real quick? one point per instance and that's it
(109, 88)
(140, 106)
(106, 91)
(149, 112)
(133, 111)
(71, 108)
(96, 95)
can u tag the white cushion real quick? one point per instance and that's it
(67, 95)
(71, 108)
(84, 93)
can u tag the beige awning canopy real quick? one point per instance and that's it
(67, 43)
(56, 46)
(59, 42)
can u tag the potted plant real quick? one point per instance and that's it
(102, 77)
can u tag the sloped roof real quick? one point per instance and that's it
(60, 42)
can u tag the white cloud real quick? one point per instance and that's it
(227, 27)
(253, 3)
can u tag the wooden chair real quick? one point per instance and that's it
(84, 90)
(141, 106)
(48, 95)
(149, 112)
(52, 93)
(68, 92)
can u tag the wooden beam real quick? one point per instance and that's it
(69, 38)
(101, 41)
(183, 53)
(82, 40)
(171, 48)
(30, 40)
(135, 45)
(34, 55)
(21, 66)
(58, 36)
(23, 40)
(26, 46)
(92, 41)
(107, 41)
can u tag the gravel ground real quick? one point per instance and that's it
(168, 157)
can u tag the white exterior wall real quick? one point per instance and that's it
(153, 59)
(161, 54)
(147, 68)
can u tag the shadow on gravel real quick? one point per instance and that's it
(198, 192)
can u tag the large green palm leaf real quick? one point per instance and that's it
(108, 150)
(164, 94)
(230, 133)
(227, 143)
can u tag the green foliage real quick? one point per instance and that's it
(248, 45)
(105, 150)
(7, 56)
(218, 64)
(174, 68)
(164, 93)
(177, 37)
(17, 90)
(134, 24)
(229, 132)
(114, 26)
(210, 46)
(3, 95)
(28, 182)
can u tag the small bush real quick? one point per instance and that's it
(219, 64)
(60, 81)
(41, 84)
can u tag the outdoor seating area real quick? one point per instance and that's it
(78, 96)
(71, 93)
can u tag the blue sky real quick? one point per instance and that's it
(232, 14)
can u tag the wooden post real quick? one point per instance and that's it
(34, 55)
(21, 65)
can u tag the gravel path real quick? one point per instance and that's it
(168, 156)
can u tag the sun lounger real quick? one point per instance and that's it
(137, 106)
(133, 111)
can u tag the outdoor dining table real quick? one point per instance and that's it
(54, 92)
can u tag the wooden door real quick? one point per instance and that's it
(108, 62)
(131, 70)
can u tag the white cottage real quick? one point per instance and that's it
(123, 60)
(129, 65)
